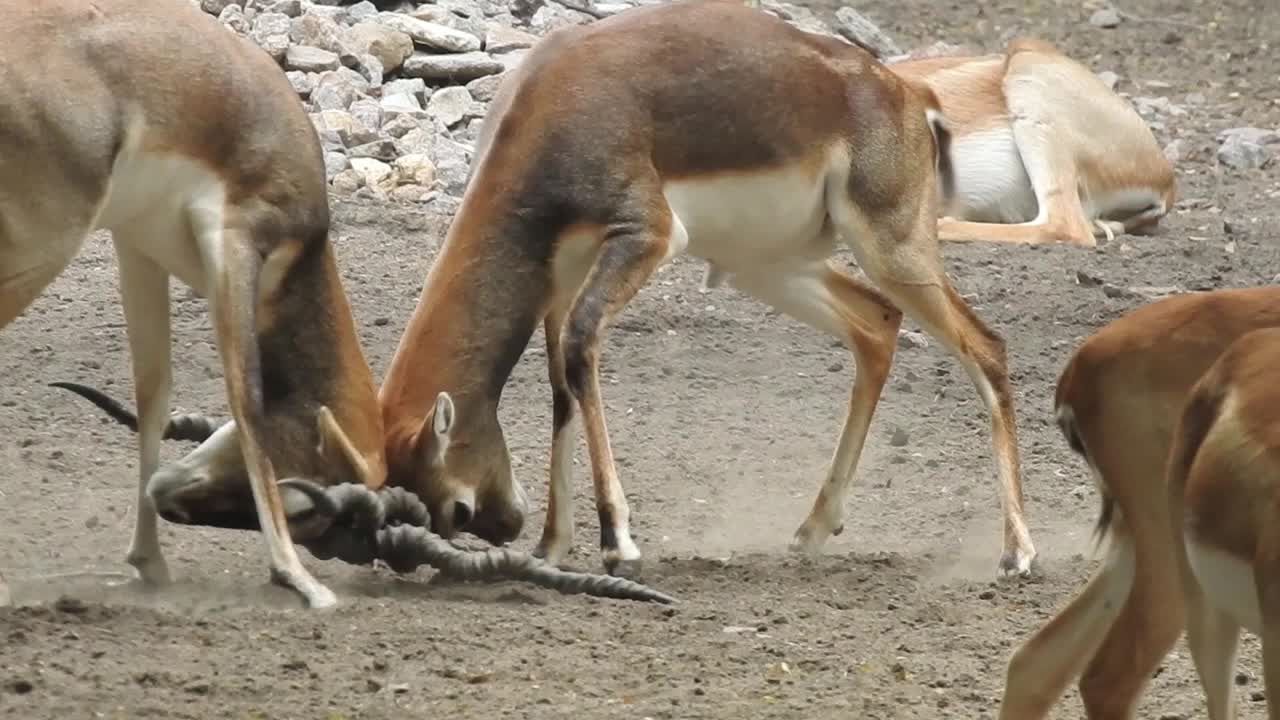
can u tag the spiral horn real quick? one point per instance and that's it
(394, 526)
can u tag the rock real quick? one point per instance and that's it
(415, 169)
(431, 35)
(368, 113)
(291, 8)
(483, 89)
(861, 31)
(370, 68)
(337, 89)
(460, 68)
(451, 161)
(553, 16)
(1149, 107)
(216, 7)
(334, 163)
(303, 83)
(324, 33)
(420, 139)
(910, 339)
(389, 45)
(501, 39)
(407, 86)
(310, 59)
(271, 33)
(1258, 136)
(233, 17)
(383, 149)
(1105, 18)
(410, 194)
(350, 130)
(1242, 154)
(375, 174)
(347, 182)
(900, 438)
(400, 124)
(1174, 152)
(400, 103)
(1109, 79)
(361, 11)
(452, 105)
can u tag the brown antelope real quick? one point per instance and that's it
(1224, 504)
(1044, 151)
(1118, 403)
(200, 160)
(618, 145)
(149, 119)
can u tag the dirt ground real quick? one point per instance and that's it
(723, 416)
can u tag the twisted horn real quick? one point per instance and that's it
(181, 426)
(393, 526)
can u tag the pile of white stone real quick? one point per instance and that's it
(397, 90)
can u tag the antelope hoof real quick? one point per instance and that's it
(315, 595)
(810, 538)
(1016, 563)
(153, 571)
(552, 551)
(618, 566)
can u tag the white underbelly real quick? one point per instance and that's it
(1227, 581)
(991, 182)
(149, 201)
(748, 220)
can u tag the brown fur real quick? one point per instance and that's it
(566, 216)
(1223, 493)
(115, 81)
(1119, 398)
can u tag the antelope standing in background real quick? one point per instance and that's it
(149, 119)
(1118, 402)
(615, 147)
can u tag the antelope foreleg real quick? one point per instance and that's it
(234, 268)
(144, 291)
(630, 255)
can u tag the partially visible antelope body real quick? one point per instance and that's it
(615, 147)
(149, 119)
(1118, 403)
(1044, 151)
(1224, 504)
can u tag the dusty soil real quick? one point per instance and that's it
(723, 415)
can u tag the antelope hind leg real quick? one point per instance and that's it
(828, 300)
(22, 279)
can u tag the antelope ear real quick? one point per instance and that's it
(436, 430)
(336, 450)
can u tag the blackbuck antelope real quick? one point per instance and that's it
(149, 119)
(699, 127)
(1224, 505)
(1044, 151)
(1118, 403)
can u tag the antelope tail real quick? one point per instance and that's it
(181, 426)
